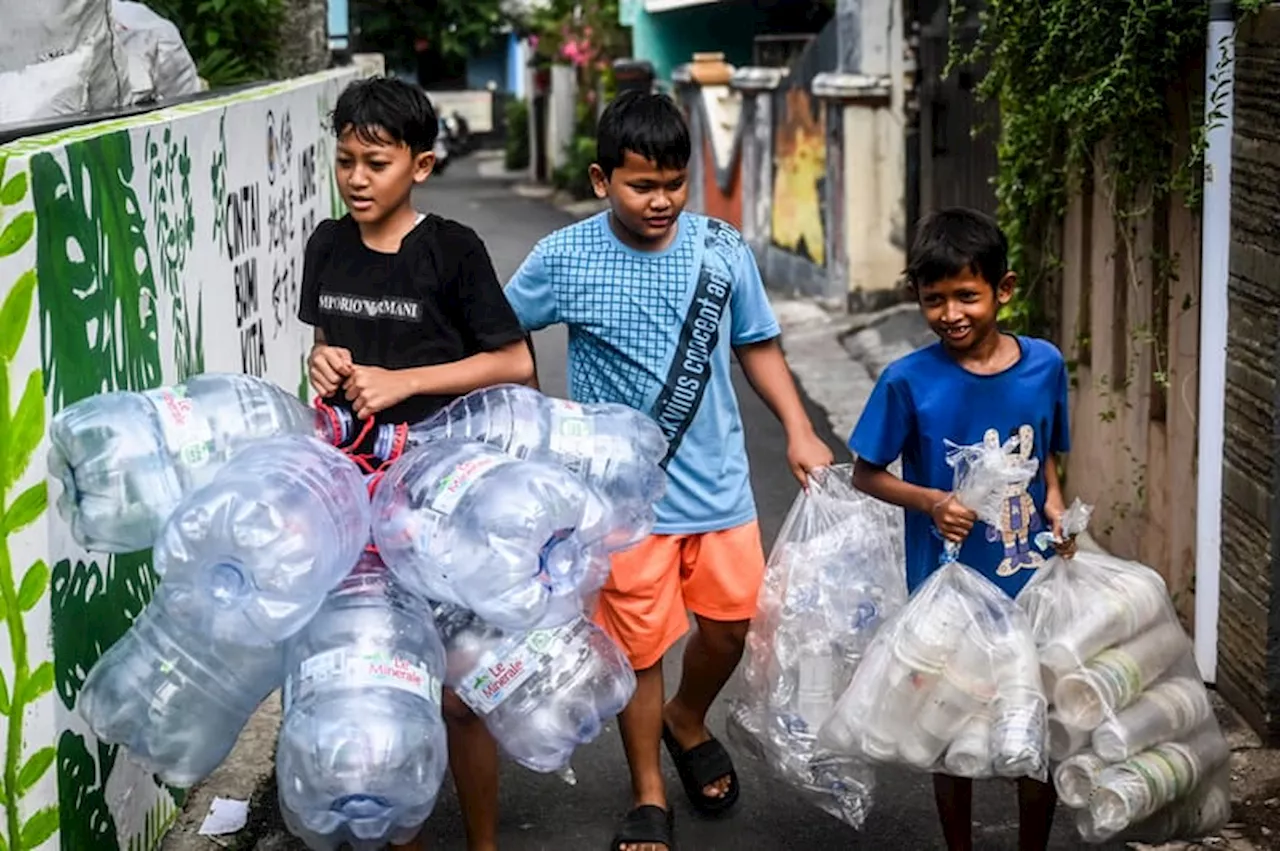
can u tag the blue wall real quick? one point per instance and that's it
(338, 24)
(669, 39)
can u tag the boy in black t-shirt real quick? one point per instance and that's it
(408, 315)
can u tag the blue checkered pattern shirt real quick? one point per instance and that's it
(654, 330)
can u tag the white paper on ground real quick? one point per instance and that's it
(226, 815)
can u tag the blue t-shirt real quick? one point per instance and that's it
(654, 330)
(926, 399)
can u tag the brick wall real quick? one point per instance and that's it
(1249, 621)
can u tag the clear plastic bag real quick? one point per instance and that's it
(1137, 748)
(952, 683)
(835, 573)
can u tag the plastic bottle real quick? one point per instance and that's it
(514, 541)
(541, 693)
(362, 750)
(175, 700)
(126, 459)
(616, 449)
(256, 550)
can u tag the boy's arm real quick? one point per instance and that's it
(953, 520)
(371, 389)
(767, 371)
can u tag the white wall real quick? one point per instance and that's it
(132, 254)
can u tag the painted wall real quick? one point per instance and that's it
(715, 177)
(132, 254)
(669, 39)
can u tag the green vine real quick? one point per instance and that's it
(21, 429)
(1082, 88)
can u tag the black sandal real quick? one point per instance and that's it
(646, 824)
(699, 767)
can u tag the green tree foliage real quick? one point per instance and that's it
(448, 29)
(232, 41)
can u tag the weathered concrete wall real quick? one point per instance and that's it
(1249, 620)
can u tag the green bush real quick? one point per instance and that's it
(232, 41)
(517, 135)
(573, 176)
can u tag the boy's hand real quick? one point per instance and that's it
(329, 366)
(953, 520)
(1053, 511)
(806, 453)
(372, 389)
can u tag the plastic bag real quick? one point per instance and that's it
(1138, 750)
(952, 683)
(836, 572)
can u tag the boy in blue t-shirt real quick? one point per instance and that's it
(976, 384)
(657, 301)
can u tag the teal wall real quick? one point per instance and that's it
(669, 39)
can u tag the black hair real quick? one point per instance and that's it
(649, 125)
(382, 109)
(954, 241)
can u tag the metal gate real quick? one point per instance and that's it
(957, 134)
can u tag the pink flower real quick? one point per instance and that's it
(533, 42)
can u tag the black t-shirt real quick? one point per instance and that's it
(437, 300)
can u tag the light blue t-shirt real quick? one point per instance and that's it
(926, 399)
(654, 331)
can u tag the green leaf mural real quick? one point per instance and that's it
(81, 790)
(99, 332)
(173, 220)
(21, 429)
(97, 288)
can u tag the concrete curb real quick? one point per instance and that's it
(247, 771)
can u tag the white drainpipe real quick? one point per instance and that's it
(1214, 270)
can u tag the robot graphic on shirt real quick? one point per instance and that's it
(1019, 517)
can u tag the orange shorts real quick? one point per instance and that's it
(643, 607)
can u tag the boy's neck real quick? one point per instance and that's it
(994, 353)
(387, 233)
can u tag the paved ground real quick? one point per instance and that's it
(543, 812)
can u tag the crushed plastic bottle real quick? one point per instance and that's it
(174, 699)
(256, 550)
(543, 693)
(126, 459)
(363, 748)
(521, 543)
(616, 449)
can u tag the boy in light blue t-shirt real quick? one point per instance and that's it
(977, 384)
(656, 301)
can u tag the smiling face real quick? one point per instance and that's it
(646, 200)
(962, 309)
(376, 175)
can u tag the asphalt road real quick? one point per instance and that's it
(543, 812)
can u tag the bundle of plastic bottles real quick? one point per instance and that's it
(1138, 752)
(835, 573)
(261, 529)
(541, 693)
(952, 682)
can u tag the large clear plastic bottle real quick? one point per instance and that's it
(174, 699)
(616, 449)
(541, 693)
(257, 548)
(363, 748)
(126, 459)
(518, 542)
